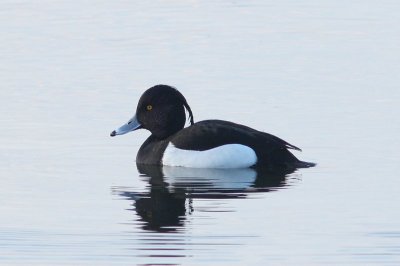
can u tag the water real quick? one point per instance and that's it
(321, 75)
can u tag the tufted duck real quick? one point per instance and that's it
(205, 144)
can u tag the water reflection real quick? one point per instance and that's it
(171, 191)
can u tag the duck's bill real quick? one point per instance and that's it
(132, 125)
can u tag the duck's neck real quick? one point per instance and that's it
(164, 134)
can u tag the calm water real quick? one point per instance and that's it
(321, 75)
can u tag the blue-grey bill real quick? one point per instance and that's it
(132, 125)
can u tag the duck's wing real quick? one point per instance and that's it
(280, 141)
(209, 134)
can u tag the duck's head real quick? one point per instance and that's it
(161, 110)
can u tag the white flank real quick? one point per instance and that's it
(225, 156)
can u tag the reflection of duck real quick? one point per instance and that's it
(205, 144)
(160, 208)
(163, 208)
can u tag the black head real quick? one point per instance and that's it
(161, 110)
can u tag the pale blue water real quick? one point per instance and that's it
(321, 75)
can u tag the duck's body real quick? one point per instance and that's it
(205, 144)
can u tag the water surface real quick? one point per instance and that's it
(323, 76)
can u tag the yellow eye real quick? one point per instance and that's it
(149, 107)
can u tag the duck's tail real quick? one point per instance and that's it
(301, 164)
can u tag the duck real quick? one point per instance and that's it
(205, 144)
